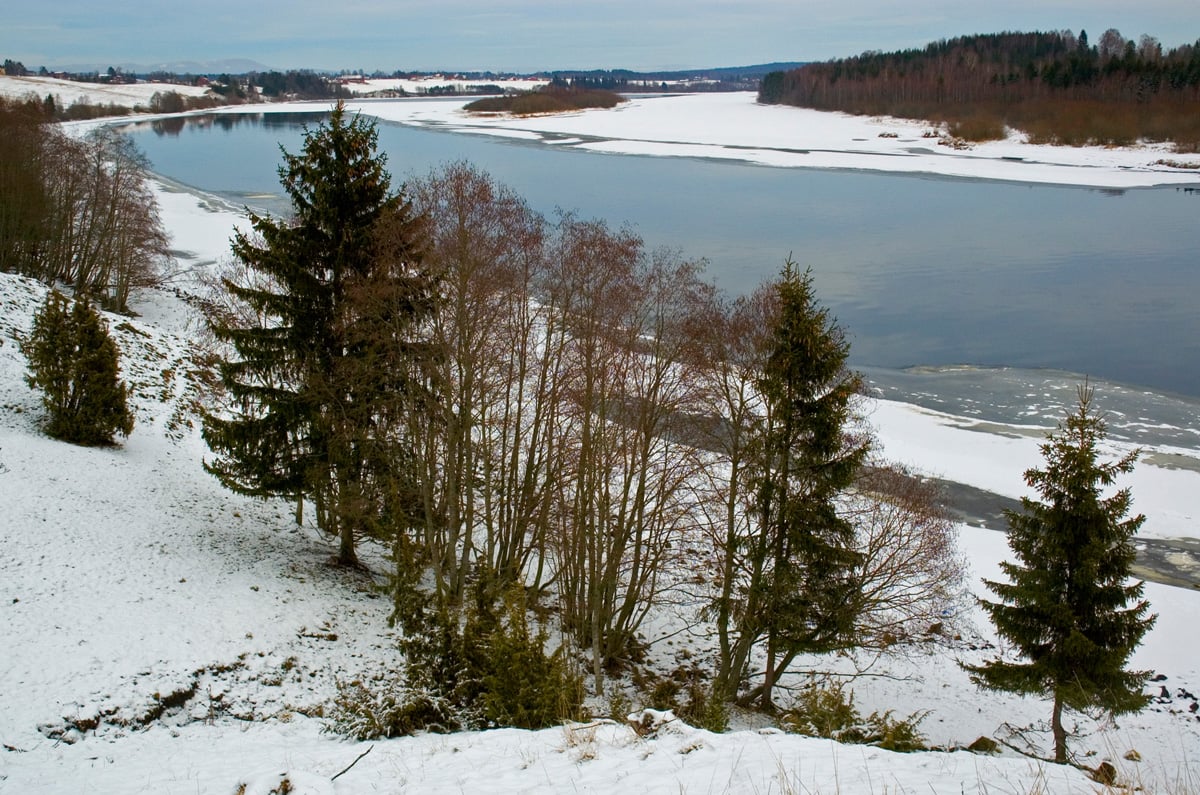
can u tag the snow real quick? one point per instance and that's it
(733, 126)
(421, 85)
(965, 450)
(164, 635)
(68, 92)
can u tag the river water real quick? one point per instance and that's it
(965, 295)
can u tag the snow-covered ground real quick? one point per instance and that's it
(163, 635)
(422, 85)
(68, 92)
(734, 126)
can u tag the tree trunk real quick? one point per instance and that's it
(1060, 734)
(346, 553)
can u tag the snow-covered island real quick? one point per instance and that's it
(164, 635)
(734, 126)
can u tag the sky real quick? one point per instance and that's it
(533, 35)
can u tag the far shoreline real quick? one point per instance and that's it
(748, 133)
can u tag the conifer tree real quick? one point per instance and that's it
(322, 388)
(1066, 605)
(800, 561)
(74, 363)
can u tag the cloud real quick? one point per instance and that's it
(524, 35)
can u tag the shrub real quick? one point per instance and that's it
(464, 670)
(74, 363)
(522, 685)
(978, 128)
(830, 712)
(370, 713)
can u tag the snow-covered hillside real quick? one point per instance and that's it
(68, 92)
(162, 635)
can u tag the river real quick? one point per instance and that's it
(963, 295)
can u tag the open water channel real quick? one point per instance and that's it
(975, 297)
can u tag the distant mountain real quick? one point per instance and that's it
(721, 73)
(233, 66)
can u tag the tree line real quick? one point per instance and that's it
(540, 416)
(76, 211)
(1056, 86)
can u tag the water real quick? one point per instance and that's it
(925, 273)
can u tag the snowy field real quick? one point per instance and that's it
(733, 126)
(68, 92)
(165, 636)
(421, 85)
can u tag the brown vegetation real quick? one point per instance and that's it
(548, 99)
(1052, 86)
(76, 211)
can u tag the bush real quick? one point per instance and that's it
(74, 362)
(468, 670)
(522, 685)
(365, 713)
(830, 712)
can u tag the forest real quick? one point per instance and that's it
(1055, 87)
(76, 211)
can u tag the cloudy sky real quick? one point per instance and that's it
(528, 35)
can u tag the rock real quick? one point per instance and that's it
(984, 745)
(1105, 774)
(649, 721)
(1133, 756)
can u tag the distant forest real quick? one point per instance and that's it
(1056, 87)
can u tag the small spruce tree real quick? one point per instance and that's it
(73, 361)
(1065, 605)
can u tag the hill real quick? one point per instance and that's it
(164, 635)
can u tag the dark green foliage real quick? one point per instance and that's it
(808, 459)
(491, 666)
(377, 710)
(770, 92)
(73, 361)
(523, 686)
(297, 84)
(330, 360)
(23, 199)
(549, 99)
(830, 712)
(1065, 606)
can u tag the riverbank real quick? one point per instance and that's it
(733, 126)
(978, 453)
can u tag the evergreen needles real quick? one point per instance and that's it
(1065, 607)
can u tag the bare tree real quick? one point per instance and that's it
(484, 242)
(910, 575)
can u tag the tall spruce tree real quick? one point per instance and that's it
(801, 559)
(1065, 607)
(323, 388)
(73, 361)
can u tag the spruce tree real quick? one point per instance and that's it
(322, 388)
(73, 361)
(1066, 605)
(807, 458)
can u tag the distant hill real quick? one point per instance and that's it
(723, 78)
(1056, 87)
(232, 66)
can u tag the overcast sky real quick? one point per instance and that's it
(530, 35)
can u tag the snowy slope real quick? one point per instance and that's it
(163, 635)
(68, 92)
